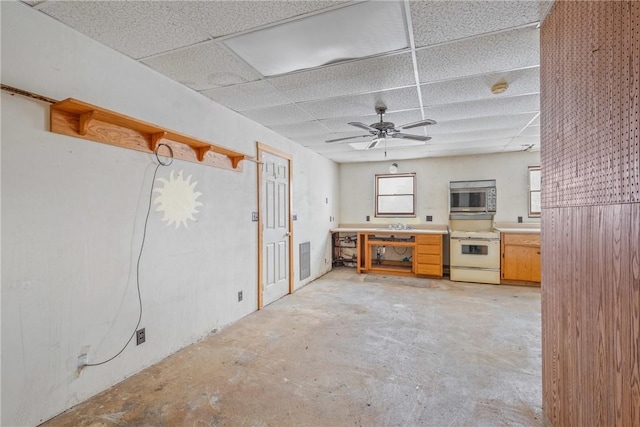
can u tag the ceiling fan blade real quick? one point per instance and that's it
(363, 126)
(408, 136)
(425, 122)
(349, 137)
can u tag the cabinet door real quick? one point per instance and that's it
(536, 275)
(521, 263)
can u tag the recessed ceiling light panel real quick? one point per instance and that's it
(358, 31)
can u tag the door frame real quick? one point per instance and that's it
(260, 149)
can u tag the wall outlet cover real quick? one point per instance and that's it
(368, 218)
(519, 219)
(140, 336)
(295, 217)
(429, 218)
(239, 296)
(254, 216)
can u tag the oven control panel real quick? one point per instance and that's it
(491, 199)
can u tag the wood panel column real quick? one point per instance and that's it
(590, 157)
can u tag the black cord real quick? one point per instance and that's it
(144, 237)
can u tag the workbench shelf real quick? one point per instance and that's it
(423, 250)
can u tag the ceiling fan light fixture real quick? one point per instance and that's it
(499, 87)
(375, 142)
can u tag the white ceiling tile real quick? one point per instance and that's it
(476, 124)
(279, 115)
(521, 82)
(477, 137)
(495, 145)
(441, 21)
(465, 151)
(247, 96)
(497, 52)
(341, 124)
(484, 108)
(220, 18)
(366, 75)
(360, 105)
(524, 142)
(531, 130)
(135, 28)
(203, 66)
(313, 140)
(295, 130)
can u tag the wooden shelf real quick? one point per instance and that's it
(79, 119)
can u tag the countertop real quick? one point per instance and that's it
(347, 228)
(517, 227)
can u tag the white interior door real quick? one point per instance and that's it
(275, 227)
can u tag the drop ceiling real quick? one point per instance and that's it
(456, 50)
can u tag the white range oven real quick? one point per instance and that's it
(475, 256)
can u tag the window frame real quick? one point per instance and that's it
(390, 214)
(530, 169)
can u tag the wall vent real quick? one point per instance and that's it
(305, 260)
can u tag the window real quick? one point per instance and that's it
(395, 195)
(535, 188)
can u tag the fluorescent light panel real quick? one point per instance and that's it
(364, 29)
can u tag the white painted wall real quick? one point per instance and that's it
(73, 212)
(357, 183)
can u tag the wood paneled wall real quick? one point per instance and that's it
(590, 156)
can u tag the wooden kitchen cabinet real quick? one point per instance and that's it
(520, 260)
(428, 255)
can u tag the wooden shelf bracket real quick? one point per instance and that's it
(155, 140)
(85, 119)
(82, 120)
(202, 151)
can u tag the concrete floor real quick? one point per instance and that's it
(363, 350)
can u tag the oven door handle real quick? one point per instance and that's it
(475, 239)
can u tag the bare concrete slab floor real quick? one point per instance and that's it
(349, 349)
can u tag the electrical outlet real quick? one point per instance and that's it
(140, 336)
(239, 296)
(368, 218)
(254, 216)
(295, 217)
(82, 360)
(429, 218)
(519, 219)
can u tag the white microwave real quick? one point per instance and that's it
(472, 196)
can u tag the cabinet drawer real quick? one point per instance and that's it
(525, 239)
(428, 249)
(429, 270)
(429, 239)
(428, 259)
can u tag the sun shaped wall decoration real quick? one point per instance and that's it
(177, 199)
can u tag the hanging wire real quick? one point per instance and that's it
(144, 237)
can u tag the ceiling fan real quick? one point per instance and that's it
(382, 130)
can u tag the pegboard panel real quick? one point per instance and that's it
(590, 90)
(590, 157)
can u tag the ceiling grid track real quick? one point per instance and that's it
(414, 59)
